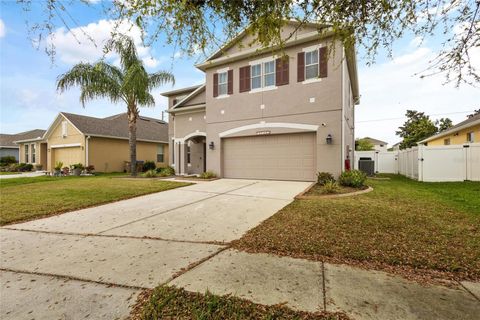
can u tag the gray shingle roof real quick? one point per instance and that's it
(375, 141)
(7, 140)
(117, 126)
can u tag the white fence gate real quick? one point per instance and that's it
(430, 164)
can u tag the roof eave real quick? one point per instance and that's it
(181, 90)
(255, 51)
(450, 131)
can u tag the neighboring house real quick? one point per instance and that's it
(467, 131)
(8, 146)
(268, 114)
(378, 145)
(396, 146)
(101, 142)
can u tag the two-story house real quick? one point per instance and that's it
(268, 113)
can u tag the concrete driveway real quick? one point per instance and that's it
(93, 262)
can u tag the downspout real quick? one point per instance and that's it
(86, 150)
(342, 154)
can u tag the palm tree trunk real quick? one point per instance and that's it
(132, 140)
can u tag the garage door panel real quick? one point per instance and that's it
(68, 156)
(283, 157)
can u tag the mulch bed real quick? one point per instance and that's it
(316, 191)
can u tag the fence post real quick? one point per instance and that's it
(420, 162)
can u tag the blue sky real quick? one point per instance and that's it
(28, 98)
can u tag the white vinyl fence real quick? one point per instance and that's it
(430, 164)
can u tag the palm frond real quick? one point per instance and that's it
(98, 80)
(160, 78)
(125, 47)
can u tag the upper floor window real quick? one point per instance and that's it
(262, 75)
(26, 154)
(446, 141)
(470, 137)
(269, 73)
(222, 83)
(64, 128)
(311, 64)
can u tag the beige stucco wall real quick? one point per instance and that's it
(459, 137)
(40, 154)
(109, 155)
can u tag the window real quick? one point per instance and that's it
(256, 76)
(160, 154)
(470, 137)
(188, 154)
(262, 75)
(33, 149)
(64, 128)
(26, 153)
(269, 74)
(222, 83)
(446, 141)
(311, 64)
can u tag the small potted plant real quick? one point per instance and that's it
(90, 169)
(77, 169)
(58, 168)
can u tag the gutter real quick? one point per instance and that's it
(173, 111)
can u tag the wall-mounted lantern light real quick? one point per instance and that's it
(329, 139)
(211, 145)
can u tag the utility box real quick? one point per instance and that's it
(367, 165)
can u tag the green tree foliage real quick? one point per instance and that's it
(418, 127)
(363, 145)
(130, 84)
(203, 25)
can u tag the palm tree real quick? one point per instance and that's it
(130, 84)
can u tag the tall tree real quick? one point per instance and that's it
(129, 84)
(363, 145)
(197, 25)
(418, 127)
(443, 124)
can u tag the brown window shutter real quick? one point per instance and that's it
(281, 71)
(230, 82)
(300, 66)
(244, 79)
(215, 84)
(323, 65)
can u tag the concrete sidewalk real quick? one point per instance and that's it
(316, 286)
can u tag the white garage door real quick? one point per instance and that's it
(280, 157)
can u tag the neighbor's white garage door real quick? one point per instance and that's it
(279, 157)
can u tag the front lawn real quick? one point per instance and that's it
(402, 226)
(28, 198)
(173, 303)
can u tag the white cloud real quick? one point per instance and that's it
(86, 43)
(389, 89)
(2, 29)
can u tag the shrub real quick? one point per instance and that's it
(7, 160)
(352, 178)
(166, 172)
(58, 165)
(90, 169)
(208, 175)
(324, 177)
(77, 166)
(150, 174)
(22, 167)
(149, 165)
(331, 187)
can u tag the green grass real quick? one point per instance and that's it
(402, 223)
(172, 303)
(28, 198)
(8, 173)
